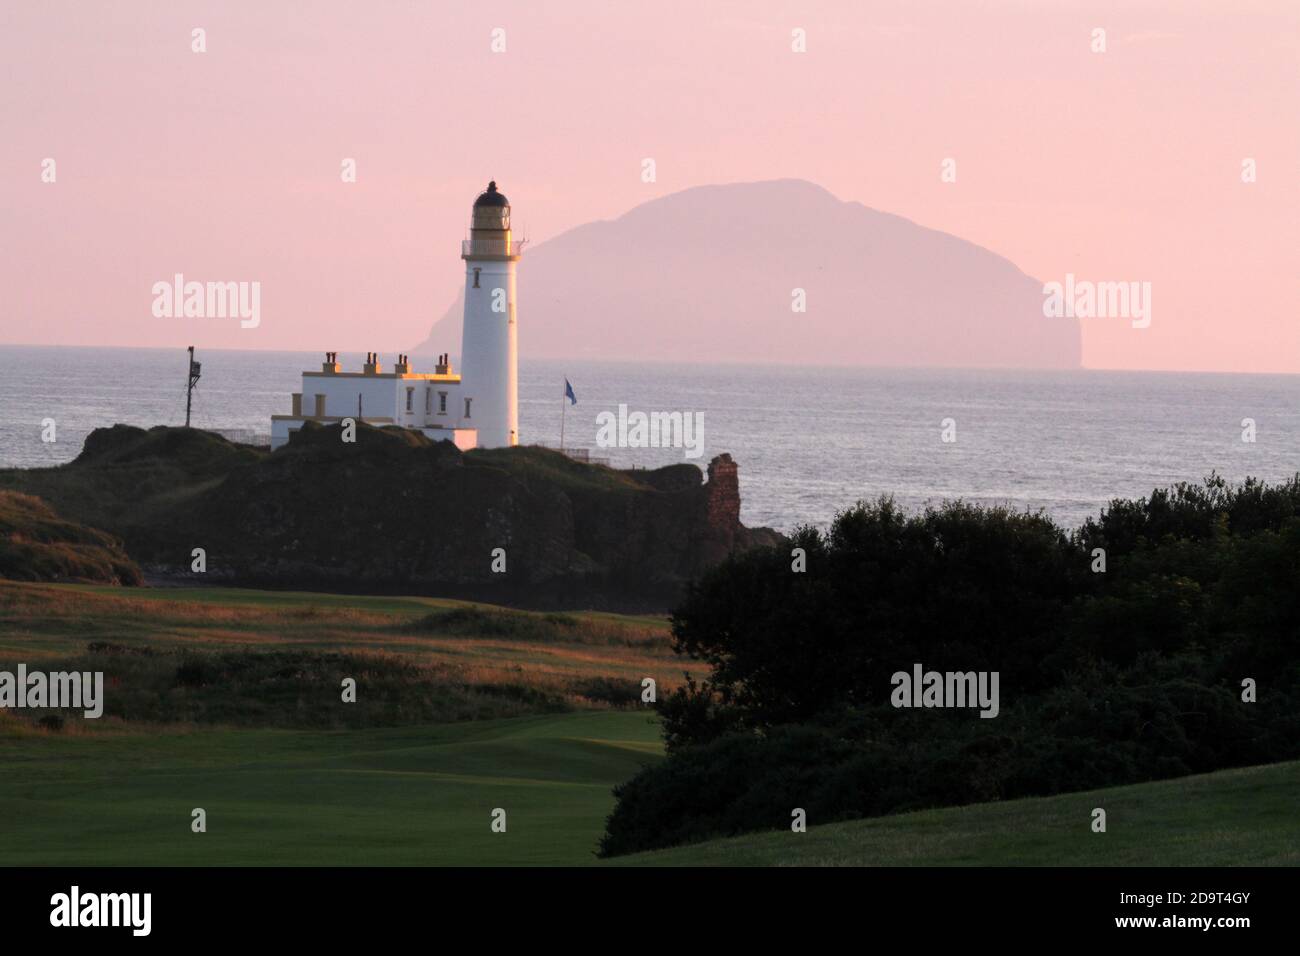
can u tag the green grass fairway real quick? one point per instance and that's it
(1247, 817)
(417, 778)
(421, 795)
(424, 796)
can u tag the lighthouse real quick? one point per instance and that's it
(477, 408)
(489, 342)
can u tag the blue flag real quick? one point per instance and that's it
(568, 393)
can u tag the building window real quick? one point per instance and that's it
(476, 278)
(428, 400)
(442, 403)
(410, 399)
(467, 401)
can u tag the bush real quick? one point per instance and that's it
(192, 673)
(1131, 675)
(615, 691)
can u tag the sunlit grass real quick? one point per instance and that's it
(575, 658)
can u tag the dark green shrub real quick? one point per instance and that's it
(1131, 675)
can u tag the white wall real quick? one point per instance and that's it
(378, 395)
(280, 429)
(489, 354)
(383, 397)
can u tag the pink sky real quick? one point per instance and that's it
(225, 165)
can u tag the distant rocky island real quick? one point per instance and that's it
(392, 512)
(714, 273)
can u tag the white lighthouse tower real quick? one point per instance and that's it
(489, 344)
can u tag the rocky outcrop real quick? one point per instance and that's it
(396, 512)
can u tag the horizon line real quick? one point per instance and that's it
(748, 363)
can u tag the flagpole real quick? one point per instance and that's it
(564, 401)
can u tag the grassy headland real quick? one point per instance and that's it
(393, 512)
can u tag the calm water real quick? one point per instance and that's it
(809, 441)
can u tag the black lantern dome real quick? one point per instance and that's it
(491, 197)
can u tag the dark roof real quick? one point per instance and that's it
(491, 197)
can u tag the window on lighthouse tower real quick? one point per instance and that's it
(467, 401)
(476, 278)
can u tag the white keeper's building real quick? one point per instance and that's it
(477, 408)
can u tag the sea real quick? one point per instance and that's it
(809, 442)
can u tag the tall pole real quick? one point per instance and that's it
(191, 380)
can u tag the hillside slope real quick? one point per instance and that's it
(1244, 817)
(36, 544)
